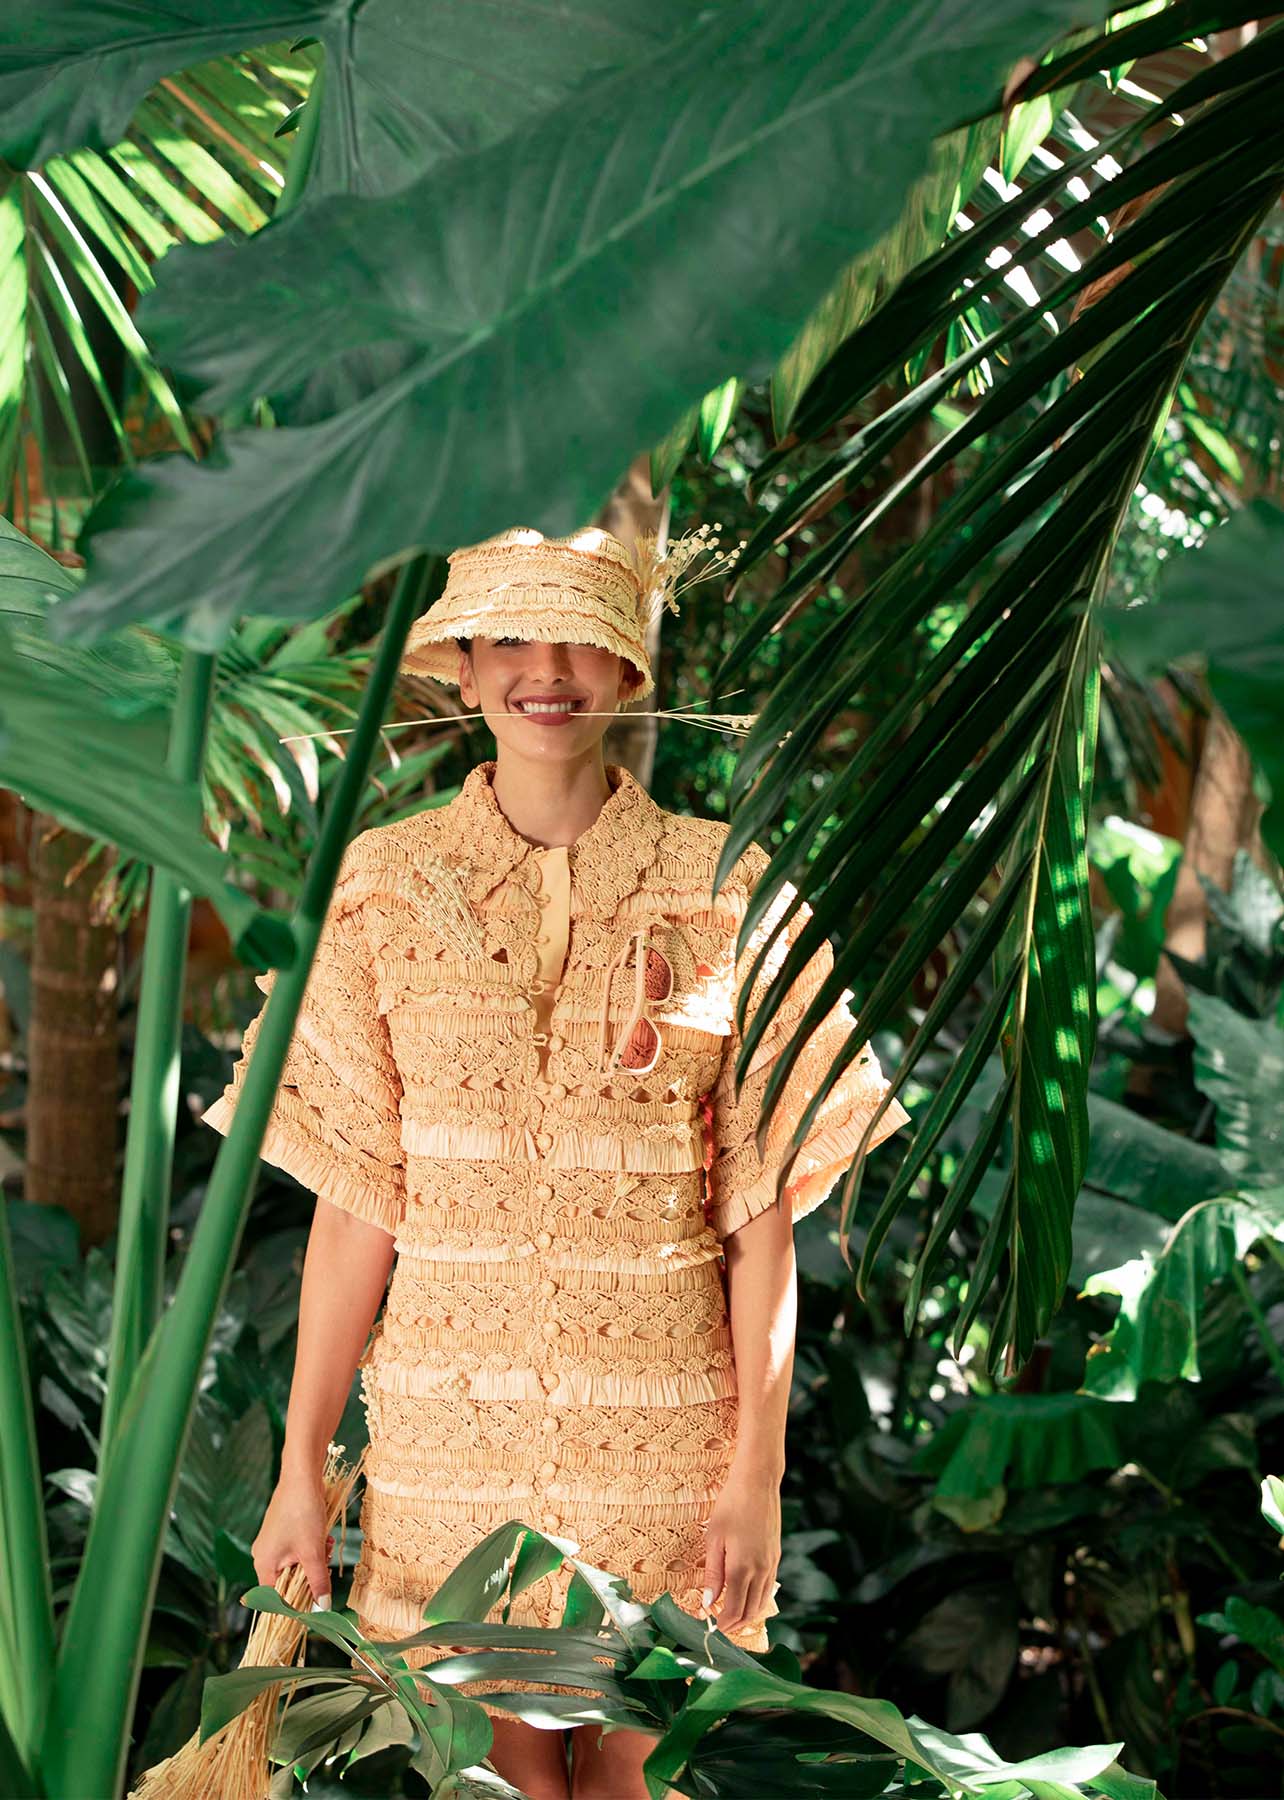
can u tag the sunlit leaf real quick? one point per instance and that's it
(644, 183)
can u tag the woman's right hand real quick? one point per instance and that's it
(294, 1531)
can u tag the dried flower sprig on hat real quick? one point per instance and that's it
(664, 574)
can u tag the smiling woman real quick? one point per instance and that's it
(591, 1315)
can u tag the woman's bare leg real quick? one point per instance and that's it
(613, 1770)
(533, 1760)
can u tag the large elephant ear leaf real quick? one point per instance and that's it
(403, 92)
(542, 254)
(958, 162)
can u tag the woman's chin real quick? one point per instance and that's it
(568, 738)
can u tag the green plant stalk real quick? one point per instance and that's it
(26, 1594)
(96, 1677)
(1260, 1320)
(149, 1142)
(153, 1094)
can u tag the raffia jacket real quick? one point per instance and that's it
(434, 1025)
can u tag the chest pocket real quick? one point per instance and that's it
(659, 1004)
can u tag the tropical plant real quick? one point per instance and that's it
(656, 244)
(650, 1668)
(1031, 1557)
(647, 187)
(199, 156)
(984, 762)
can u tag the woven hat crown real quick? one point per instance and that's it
(584, 588)
(587, 588)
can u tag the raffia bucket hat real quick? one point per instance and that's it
(583, 589)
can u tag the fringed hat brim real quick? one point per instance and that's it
(432, 646)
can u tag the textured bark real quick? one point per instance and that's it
(630, 511)
(14, 887)
(1223, 818)
(72, 1102)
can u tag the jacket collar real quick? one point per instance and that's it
(607, 861)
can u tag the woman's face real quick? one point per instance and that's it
(544, 700)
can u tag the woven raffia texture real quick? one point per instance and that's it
(581, 589)
(549, 1127)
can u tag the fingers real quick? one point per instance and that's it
(732, 1612)
(748, 1594)
(317, 1570)
(270, 1563)
(760, 1597)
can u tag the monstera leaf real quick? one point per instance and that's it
(541, 308)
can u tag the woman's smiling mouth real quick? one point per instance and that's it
(548, 709)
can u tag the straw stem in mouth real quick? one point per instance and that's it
(731, 724)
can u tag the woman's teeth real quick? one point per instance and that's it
(547, 706)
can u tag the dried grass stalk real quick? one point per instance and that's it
(233, 1764)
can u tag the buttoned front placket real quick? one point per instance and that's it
(554, 900)
(553, 897)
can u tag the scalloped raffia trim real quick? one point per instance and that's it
(314, 1168)
(822, 1162)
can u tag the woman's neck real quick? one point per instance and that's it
(550, 803)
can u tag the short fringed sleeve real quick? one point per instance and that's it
(742, 1184)
(335, 1121)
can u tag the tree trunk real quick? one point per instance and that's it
(629, 512)
(1223, 818)
(72, 1054)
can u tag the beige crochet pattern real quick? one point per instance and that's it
(523, 1069)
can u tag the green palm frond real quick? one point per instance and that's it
(976, 779)
(79, 238)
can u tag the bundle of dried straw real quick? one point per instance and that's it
(233, 1764)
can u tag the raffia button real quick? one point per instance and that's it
(550, 1521)
(543, 1140)
(544, 1240)
(548, 1427)
(547, 1471)
(548, 1289)
(557, 1091)
(555, 1042)
(551, 1328)
(543, 1190)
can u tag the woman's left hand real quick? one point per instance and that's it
(742, 1548)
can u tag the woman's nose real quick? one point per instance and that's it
(549, 661)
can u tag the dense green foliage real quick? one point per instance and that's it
(1025, 1458)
